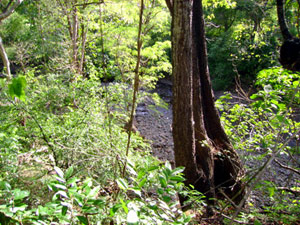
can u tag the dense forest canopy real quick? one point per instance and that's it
(85, 109)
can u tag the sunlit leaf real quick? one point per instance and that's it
(17, 88)
(19, 194)
(122, 184)
(69, 172)
(59, 172)
(132, 217)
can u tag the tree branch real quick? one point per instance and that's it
(10, 10)
(295, 192)
(89, 3)
(287, 167)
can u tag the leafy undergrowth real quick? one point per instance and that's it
(63, 155)
(266, 128)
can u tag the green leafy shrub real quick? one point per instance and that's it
(146, 196)
(263, 127)
(77, 129)
(284, 83)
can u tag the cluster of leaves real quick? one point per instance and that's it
(146, 196)
(265, 126)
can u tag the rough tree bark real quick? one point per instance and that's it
(200, 142)
(6, 13)
(290, 49)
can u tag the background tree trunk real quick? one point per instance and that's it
(290, 49)
(200, 142)
(9, 10)
(281, 20)
(5, 59)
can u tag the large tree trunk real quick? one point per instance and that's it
(290, 49)
(200, 142)
(183, 129)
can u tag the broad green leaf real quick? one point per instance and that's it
(87, 209)
(162, 181)
(64, 210)
(254, 96)
(166, 198)
(256, 222)
(83, 220)
(4, 185)
(141, 184)
(114, 209)
(2, 83)
(69, 172)
(59, 186)
(59, 172)
(177, 178)
(17, 88)
(122, 184)
(124, 206)
(141, 173)
(151, 168)
(72, 180)
(19, 194)
(296, 84)
(97, 202)
(160, 191)
(94, 192)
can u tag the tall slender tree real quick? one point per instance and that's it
(7, 11)
(200, 142)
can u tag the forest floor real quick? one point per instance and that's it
(156, 126)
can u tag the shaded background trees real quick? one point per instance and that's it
(242, 37)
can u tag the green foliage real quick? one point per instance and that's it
(74, 127)
(282, 82)
(269, 118)
(264, 125)
(242, 40)
(148, 198)
(76, 130)
(17, 88)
